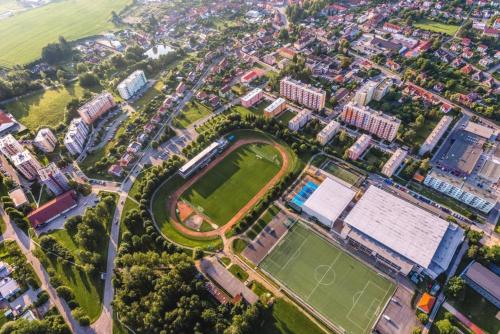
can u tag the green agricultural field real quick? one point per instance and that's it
(45, 108)
(343, 290)
(192, 112)
(430, 25)
(24, 35)
(228, 186)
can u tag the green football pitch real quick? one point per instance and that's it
(343, 290)
(233, 182)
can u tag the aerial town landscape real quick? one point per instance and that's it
(259, 166)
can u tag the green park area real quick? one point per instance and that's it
(192, 112)
(430, 25)
(342, 289)
(232, 183)
(46, 108)
(72, 19)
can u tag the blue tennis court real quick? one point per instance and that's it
(304, 193)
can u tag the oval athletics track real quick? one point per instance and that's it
(173, 199)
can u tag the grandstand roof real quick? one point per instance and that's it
(329, 200)
(198, 157)
(403, 227)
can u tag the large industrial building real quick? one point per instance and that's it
(306, 95)
(463, 154)
(99, 105)
(328, 201)
(401, 235)
(132, 84)
(375, 122)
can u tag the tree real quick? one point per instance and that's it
(425, 164)
(416, 330)
(423, 318)
(283, 35)
(445, 327)
(88, 80)
(56, 52)
(455, 287)
(474, 237)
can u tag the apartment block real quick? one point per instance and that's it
(45, 140)
(252, 98)
(394, 162)
(359, 147)
(300, 120)
(54, 179)
(306, 95)
(26, 164)
(132, 84)
(99, 105)
(9, 146)
(372, 90)
(481, 199)
(375, 122)
(436, 134)
(74, 140)
(327, 133)
(275, 108)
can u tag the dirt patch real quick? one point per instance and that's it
(184, 210)
(194, 222)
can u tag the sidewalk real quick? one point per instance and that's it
(463, 319)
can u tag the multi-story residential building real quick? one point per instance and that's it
(327, 133)
(76, 136)
(252, 98)
(360, 146)
(132, 84)
(306, 95)
(372, 90)
(45, 140)
(435, 135)
(375, 122)
(93, 109)
(300, 120)
(54, 179)
(394, 162)
(275, 108)
(26, 164)
(9, 146)
(481, 199)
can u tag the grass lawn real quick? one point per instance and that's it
(24, 35)
(150, 94)
(225, 261)
(163, 220)
(430, 25)
(375, 158)
(2, 225)
(238, 272)
(341, 173)
(285, 318)
(190, 114)
(478, 310)
(218, 194)
(286, 116)
(239, 245)
(341, 288)
(45, 108)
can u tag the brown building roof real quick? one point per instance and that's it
(53, 208)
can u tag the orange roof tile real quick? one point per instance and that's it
(426, 303)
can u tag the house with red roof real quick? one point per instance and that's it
(7, 123)
(426, 303)
(53, 209)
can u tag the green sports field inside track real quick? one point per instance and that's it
(340, 288)
(233, 182)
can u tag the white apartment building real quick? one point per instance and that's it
(9, 146)
(26, 164)
(132, 84)
(252, 98)
(436, 134)
(54, 179)
(360, 146)
(372, 90)
(45, 140)
(375, 122)
(93, 109)
(481, 199)
(300, 120)
(327, 133)
(74, 140)
(394, 162)
(306, 95)
(275, 108)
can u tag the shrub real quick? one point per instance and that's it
(65, 292)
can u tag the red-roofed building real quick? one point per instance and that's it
(53, 209)
(426, 303)
(7, 123)
(115, 170)
(249, 77)
(394, 28)
(467, 69)
(286, 53)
